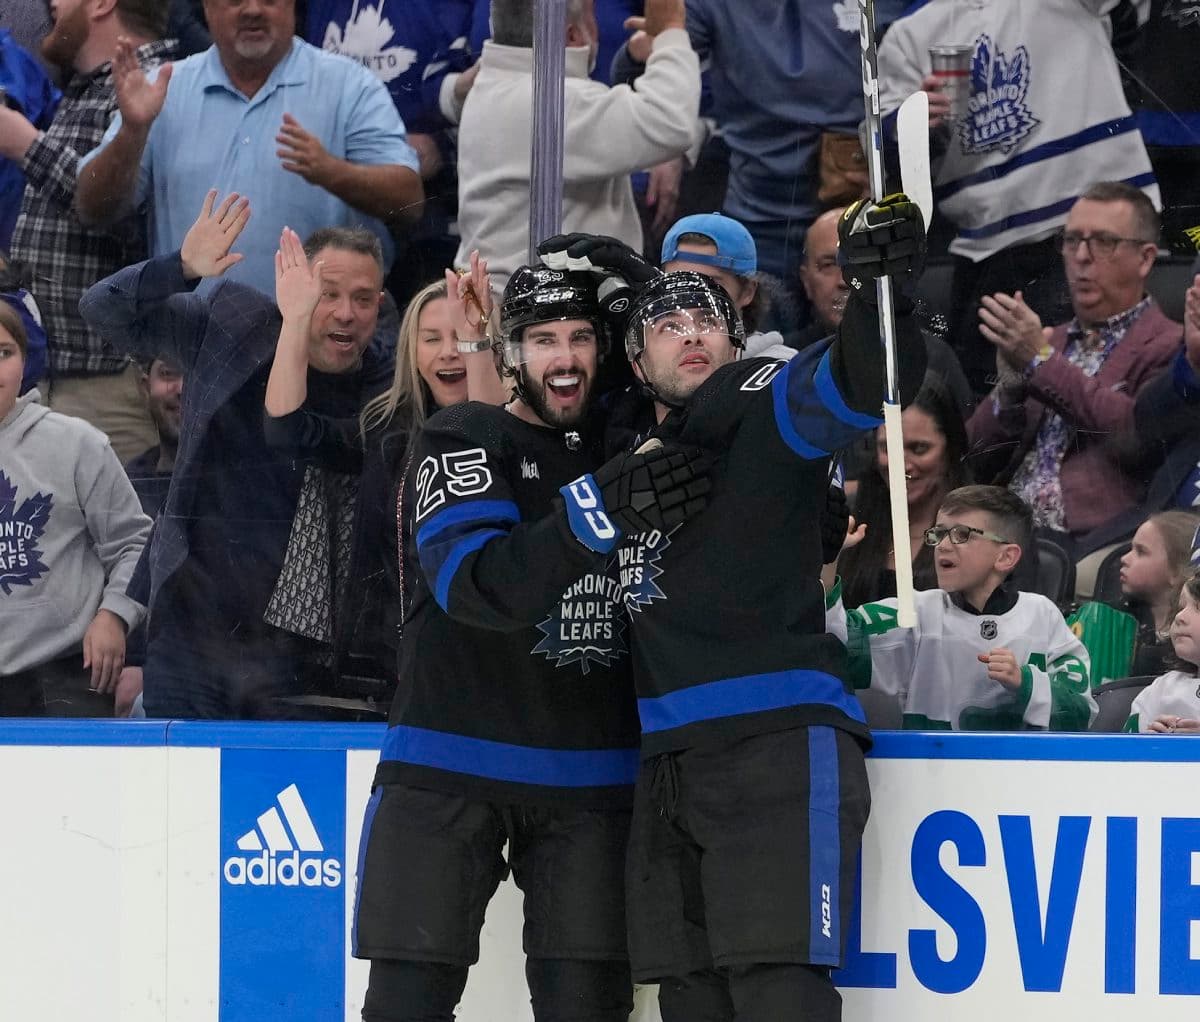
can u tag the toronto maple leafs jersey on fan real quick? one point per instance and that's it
(933, 669)
(727, 612)
(1045, 115)
(513, 674)
(409, 46)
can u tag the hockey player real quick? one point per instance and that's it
(514, 718)
(752, 794)
(983, 656)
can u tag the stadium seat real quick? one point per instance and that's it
(1114, 699)
(883, 711)
(1168, 283)
(1055, 572)
(1108, 578)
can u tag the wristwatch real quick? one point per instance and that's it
(474, 347)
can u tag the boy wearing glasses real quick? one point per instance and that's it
(983, 656)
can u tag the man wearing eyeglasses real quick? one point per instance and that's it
(1065, 391)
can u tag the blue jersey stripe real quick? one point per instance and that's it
(1045, 151)
(451, 557)
(1165, 127)
(1034, 216)
(490, 511)
(368, 819)
(499, 761)
(824, 847)
(783, 414)
(752, 693)
(834, 401)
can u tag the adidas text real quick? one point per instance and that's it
(270, 869)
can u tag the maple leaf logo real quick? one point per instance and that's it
(846, 12)
(20, 529)
(366, 39)
(587, 626)
(997, 115)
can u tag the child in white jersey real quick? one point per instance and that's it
(983, 656)
(1171, 704)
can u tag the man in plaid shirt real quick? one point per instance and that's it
(87, 377)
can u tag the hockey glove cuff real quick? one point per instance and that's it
(881, 239)
(654, 488)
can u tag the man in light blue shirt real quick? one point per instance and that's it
(311, 137)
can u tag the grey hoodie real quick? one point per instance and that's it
(71, 531)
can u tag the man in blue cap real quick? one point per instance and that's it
(721, 248)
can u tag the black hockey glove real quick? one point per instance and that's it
(656, 487)
(881, 239)
(835, 519)
(598, 254)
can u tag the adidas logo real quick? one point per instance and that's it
(285, 838)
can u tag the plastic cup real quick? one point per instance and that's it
(951, 65)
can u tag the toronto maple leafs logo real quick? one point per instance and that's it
(587, 626)
(997, 116)
(20, 529)
(846, 13)
(366, 39)
(637, 563)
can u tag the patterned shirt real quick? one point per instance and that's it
(64, 257)
(1039, 479)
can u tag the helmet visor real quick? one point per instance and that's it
(677, 316)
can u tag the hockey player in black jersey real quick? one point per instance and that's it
(514, 718)
(752, 794)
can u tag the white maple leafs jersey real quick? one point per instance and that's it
(1174, 694)
(934, 670)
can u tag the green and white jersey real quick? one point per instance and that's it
(1174, 694)
(935, 672)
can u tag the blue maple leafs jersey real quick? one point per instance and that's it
(727, 613)
(513, 672)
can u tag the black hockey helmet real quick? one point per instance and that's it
(680, 290)
(536, 294)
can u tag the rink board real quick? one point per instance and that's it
(205, 873)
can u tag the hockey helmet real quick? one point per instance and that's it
(536, 294)
(682, 291)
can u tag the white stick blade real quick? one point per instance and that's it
(912, 131)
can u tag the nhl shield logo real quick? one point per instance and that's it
(988, 630)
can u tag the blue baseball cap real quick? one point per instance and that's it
(735, 247)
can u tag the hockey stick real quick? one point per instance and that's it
(546, 125)
(906, 615)
(912, 134)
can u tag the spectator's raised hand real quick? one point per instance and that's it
(1002, 667)
(939, 102)
(205, 250)
(302, 153)
(1013, 327)
(297, 285)
(139, 99)
(104, 650)
(659, 16)
(469, 297)
(1191, 324)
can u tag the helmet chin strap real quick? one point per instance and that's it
(651, 391)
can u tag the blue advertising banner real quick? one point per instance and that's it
(283, 870)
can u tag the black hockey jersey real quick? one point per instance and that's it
(727, 612)
(514, 680)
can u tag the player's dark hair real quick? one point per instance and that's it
(145, 17)
(861, 567)
(1145, 215)
(1008, 514)
(345, 239)
(10, 320)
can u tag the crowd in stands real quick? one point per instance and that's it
(226, 227)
